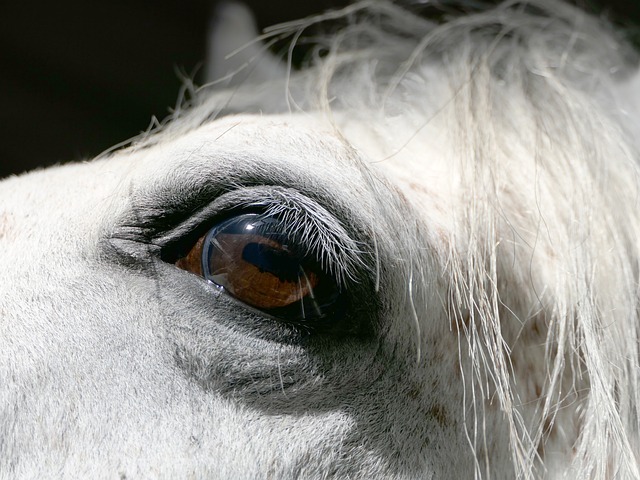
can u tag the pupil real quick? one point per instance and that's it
(272, 260)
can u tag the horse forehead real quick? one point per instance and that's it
(345, 151)
(396, 147)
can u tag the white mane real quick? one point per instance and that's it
(502, 237)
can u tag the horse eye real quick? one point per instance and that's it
(253, 258)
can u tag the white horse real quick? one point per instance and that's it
(417, 257)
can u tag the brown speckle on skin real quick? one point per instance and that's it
(416, 187)
(460, 321)
(414, 392)
(439, 413)
(549, 433)
(6, 224)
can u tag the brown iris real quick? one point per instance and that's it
(249, 257)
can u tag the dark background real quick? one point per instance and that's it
(78, 76)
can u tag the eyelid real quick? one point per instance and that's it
(313, 227)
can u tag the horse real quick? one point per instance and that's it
(414, 255)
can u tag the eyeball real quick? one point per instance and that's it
(259, 260)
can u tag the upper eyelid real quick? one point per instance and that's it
(210, 167)
(316, 228)
(339, 254)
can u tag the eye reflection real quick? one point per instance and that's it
(253, 258)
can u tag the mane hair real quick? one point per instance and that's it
(546, 245)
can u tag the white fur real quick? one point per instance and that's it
(481, 174)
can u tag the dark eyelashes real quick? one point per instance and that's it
(316, 233)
